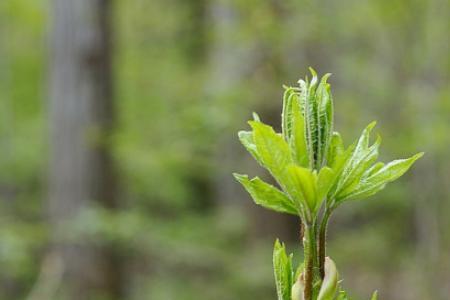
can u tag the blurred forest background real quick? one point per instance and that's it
(118, 126)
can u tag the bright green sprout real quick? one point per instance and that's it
(316, 174)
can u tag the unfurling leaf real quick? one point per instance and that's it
(377, 180)
(330, 282)
(369, 156)
(325, 181)
(359, 154)
(372, 170)
(256, 117)
(315, 173)
(335, 150)
(298, 141)
(341, 161)
(267, 195)
(309, 104)
(246, 138)
(325, 118)
(342, 295)
(298, 289)
(286, 116)
(305, 182)
(374, 296)
(272, 149)
(282, 265)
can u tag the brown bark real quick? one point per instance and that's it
(81, 119)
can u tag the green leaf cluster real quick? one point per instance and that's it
(308, 159)
(315, 173)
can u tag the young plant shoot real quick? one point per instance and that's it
(316, 173)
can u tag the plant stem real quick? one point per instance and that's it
(322, 241)
(309, 245)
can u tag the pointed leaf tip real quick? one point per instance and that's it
(374, 296)
(380, 176)
(239, 177)
(371, 125)
(267, 195)
(325, 77)
(246, 139)
(282, 264)
(256, 117)
(313, 72)
(418, 155)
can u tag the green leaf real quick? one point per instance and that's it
(362, 192)
(372, 170)
(267, 195)
(309, 103)
(335, 150)
(298, 140)
(246, 138)
(317, 108)
(286, 116)
(275, 155)
(325, 181)
(306, 182)
(367, 159)
(359, 154)
(330, 281)
(296, 159)
(394, 169)
(374, 296)
(273, 150)
(325, 118)
(377, 181)
(342, 295)
(282, 265)
(338, 167)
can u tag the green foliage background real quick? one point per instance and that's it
(186, 75)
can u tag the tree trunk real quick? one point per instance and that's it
(81, 119)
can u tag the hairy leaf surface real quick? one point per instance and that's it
(325, 118)
(286, 116)
(246, 138)
(336, 149)
(282, 265)
(298, 141)
(374, 296)
(378, 180)
(306, 181)
(273, 150)
(358, 155)
(267, 195)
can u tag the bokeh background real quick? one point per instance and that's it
(118, 124)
